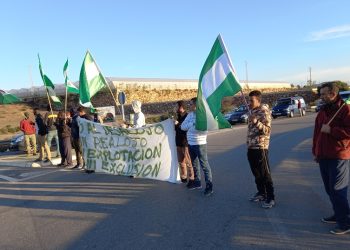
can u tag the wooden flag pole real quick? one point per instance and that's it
(233, 69)
(336, 113)
(48, 97)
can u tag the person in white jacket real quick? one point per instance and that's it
(139, 117)
(197, 143)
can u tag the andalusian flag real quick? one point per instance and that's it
(91, 80)
(217, 80)
(49, 85)
(7, 98)
(69, 85)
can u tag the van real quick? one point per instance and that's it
(288, 107)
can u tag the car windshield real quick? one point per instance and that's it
(283, 102)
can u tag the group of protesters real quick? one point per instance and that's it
(330, 147)
(62, 127)
(331, 151)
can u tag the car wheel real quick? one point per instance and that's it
(274, 117)
(291, 114)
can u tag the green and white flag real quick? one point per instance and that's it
(217, 80)
(91, 80)
(69, 85)
(49, 85)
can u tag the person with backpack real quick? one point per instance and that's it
(49, 120)
(42, 137)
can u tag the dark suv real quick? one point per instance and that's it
(288, 107)
(239, 115)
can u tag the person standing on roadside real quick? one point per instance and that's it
(64, 136)
(42, 137)
(82, 114)
(186, 170)
(258, 140)
(197, 144)
(27, 126)
(332, 152)
(50, 119)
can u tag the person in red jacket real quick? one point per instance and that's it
(331, 149)
(27, 126)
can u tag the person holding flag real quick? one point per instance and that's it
(217, 80)
(332, 152)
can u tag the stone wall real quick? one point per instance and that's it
(163, 101)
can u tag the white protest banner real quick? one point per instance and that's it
(147, 152)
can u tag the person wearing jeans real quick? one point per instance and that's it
(197, 144)
(331, 151)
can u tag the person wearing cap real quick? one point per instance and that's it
(27, 126)
(139, 117)
(49, 120)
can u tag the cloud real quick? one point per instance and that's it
(330, 33)
(320, 75)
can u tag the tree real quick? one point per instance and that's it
(343, 86)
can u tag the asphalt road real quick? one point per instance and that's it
(55, 209)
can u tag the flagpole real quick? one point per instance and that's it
(234, 71)
(65, 103)
(115, 101)
(48, 97)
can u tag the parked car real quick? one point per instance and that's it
(320, 103)
(344, 95)
(18, 144)
(239, 115)
(288, 107)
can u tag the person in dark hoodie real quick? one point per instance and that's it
(64, 137)
(42, 137)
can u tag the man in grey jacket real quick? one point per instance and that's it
(197, 144)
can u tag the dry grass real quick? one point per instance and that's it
(10, 117)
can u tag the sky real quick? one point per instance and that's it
(277, 40)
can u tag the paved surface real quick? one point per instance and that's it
(51, 208)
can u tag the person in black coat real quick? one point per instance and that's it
(186, 169)
(64, 136)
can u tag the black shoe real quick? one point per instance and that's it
(208, 189)
(257, 197)
(76, 166)
(89, 171)
(194, 185)
(183, 180)
(46, 161)
(60, 165)
(339, 230)
(329, 220)
(37, 160)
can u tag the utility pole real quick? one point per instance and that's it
(246, 74)
(31, 81)
(310, 76)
